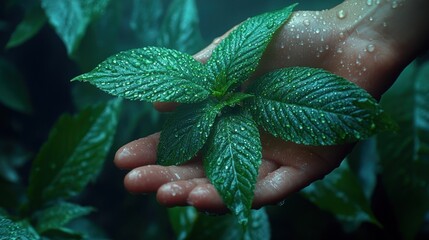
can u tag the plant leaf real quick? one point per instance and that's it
(73, 154)
(236, 57)
(186, 132)
(11, 230)
(33, 21)
(236, 98)
(226, 227)
(314, 107)
(180, 28)
(341, 194)
(151, 74)
(182, 220)
(71, 18)
(145, 20)
(58, 215)
(13, 90)
(232, 160)
(405, 155)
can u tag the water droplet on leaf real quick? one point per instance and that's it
(341, 14)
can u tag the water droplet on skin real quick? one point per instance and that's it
(306, 22)
(341, 14)
(370, 48)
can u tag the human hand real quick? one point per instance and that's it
(352, 46)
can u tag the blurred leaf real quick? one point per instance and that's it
(71, 18)
(13, 90)
(33, 21)
(364, 163)
(227, 228)
(10, 230)
(73, 154)
(58, 215)
(144, 20)
(180, 28)
(341, 194)
(182, 220)
(12, 156)
(405, 155)
(63, 234)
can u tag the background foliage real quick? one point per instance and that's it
(55, 135)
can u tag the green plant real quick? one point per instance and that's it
(66, 163)
(384, 181)
(304, 105)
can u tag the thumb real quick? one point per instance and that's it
(204, 55)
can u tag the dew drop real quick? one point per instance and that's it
(341, 14)
(317, 31)
(394, 4)
(370, 48)
(339, 50)
(369, 2)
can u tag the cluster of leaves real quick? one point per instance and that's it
(71, 157)
(303, 105)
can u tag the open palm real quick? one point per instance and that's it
(352, 48)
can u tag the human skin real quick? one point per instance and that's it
(367, 42)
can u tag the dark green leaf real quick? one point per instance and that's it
(180, 29)
(364, 162)
(64, 234)
(182, 220)
(145, 20)
(405, 155)
(58, 215)
(33, 21)
(341, 194)
(71, 18)
(226, 227)
(151, 74)
(12, 156)
(73, 154)
(10, 230)
(314, 107)
(186, 131)
(232, 160)
(13, 90)
(236, 57)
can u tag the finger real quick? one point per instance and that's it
(137, 153)
(199, 193)
(284, 181)
(205, 198)
(149, 178)
(165, 106)
(176, 193)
